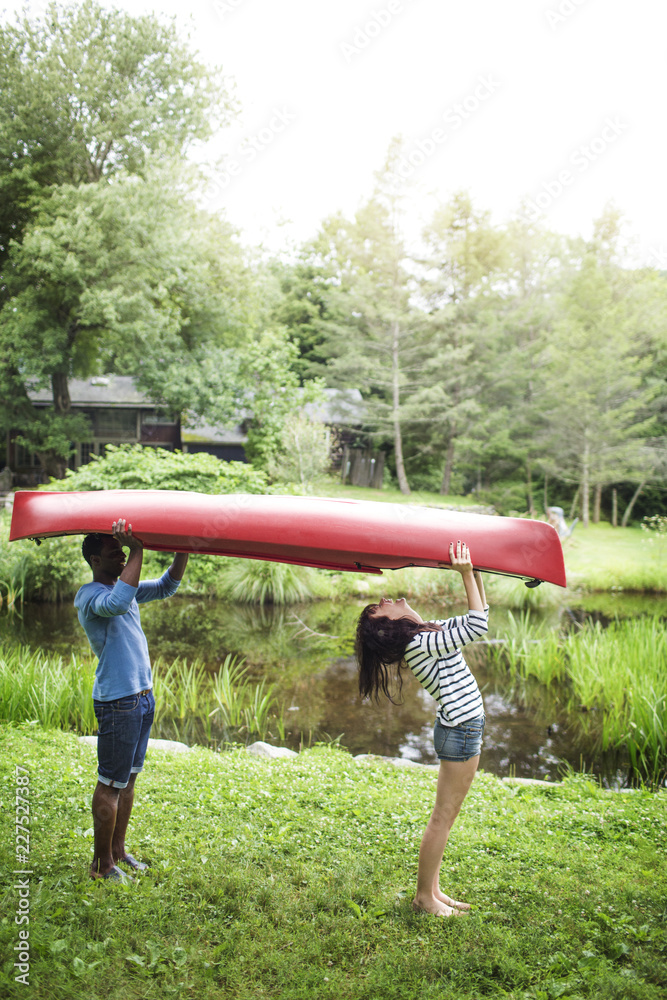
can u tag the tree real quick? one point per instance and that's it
(305, 452)
(118, 276)
(512, 427)
(464, 253)
(89, 92)
(98, 263)
(357, 312)
(272, 395)
(599, 397)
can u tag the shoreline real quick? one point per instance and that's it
(269, 752)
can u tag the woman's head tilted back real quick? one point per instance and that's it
(383, 633)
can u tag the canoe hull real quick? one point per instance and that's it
(352, 535)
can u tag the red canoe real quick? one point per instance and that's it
(356, 535)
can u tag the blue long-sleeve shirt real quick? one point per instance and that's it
(109, 614)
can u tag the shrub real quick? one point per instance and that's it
(52, 571)
(656, 524)
(135, 467)
(305, 453)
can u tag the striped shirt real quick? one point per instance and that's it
(436, 660)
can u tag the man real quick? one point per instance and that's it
(122, 692)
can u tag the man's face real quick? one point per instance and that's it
(111, 560)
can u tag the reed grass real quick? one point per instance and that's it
(57, 692)
(514, 593)
(255, 581)
(618, 673)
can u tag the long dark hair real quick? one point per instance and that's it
(379, 646)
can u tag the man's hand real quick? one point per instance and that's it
(124, 535)
(122, 532)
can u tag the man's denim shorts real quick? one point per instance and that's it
(459, 743)
(122, 737)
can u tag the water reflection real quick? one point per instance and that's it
(316, 682)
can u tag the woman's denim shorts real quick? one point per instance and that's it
(459, 743)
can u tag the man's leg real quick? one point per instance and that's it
(124, 727)
(125, 802)
(126, 798)
(105, 812)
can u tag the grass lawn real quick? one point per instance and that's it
(293, 879)
(604, 558)
(334, 488)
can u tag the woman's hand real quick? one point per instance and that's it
(459, 557)
(461, 561)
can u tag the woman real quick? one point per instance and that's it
(391, 633)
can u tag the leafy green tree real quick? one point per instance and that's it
(312, 306)
(123, 276)
(511, 432)
(272, 394)
(88, 92)
(357, 313)
(97, 261)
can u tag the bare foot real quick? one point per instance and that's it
(457, 904)
(102, 873)
(436, 907)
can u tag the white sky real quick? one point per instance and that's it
(546, 86)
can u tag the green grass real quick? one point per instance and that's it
(334, 488)
(293, 879)
(604, 558)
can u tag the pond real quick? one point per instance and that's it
(306, 652)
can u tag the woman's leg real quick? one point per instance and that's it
(454, 780)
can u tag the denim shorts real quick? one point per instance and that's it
(122, 737)
(459, 743)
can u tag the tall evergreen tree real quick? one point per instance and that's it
(600, 395)
(357, 314)
(464, 255)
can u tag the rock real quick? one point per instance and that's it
(172, 745)
(261, 749)
(531, 781)
(405, 762)
(397, 761)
